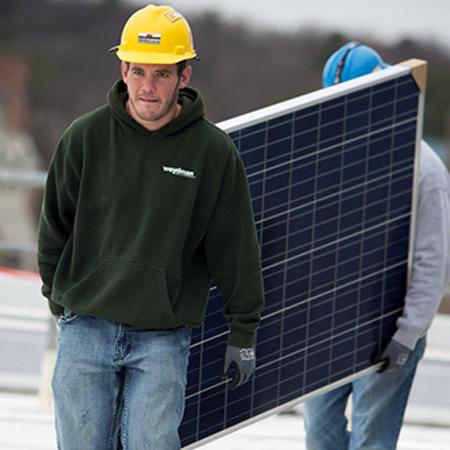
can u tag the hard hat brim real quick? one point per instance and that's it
(149, 58)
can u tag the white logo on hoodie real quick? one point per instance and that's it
(178, 171)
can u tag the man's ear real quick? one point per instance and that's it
(124, 67)
(185, 76)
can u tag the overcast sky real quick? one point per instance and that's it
(388, 20)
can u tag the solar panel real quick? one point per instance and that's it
(331, 176)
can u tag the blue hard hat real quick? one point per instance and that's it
(352, 60)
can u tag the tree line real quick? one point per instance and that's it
(65, 46)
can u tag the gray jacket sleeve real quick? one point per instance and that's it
(431, 257)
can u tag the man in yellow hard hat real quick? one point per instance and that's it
(146, 202)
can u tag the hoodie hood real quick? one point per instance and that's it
(189, 98)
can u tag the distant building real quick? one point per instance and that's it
(17, 152)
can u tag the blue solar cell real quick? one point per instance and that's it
(354, 151)
(306, 112)
(356, 126)
(279, 151)
(283, 119)
(331, 186)
(332, 112)
(245, 131)
(281, 131)
(354, 172)
(330, 132)
(406, 105)
(304, 142)
(406, 86)
(306, 123)
(304, 170)
(384, 86)
(256, 189)
(357, 104)
(331, 161)
(252, 158)
(382, 117)
(277, 179)
(383, 96)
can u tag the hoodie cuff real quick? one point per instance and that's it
(241, 338)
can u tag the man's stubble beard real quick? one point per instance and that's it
(168, 107)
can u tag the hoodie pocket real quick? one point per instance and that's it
(127, 292)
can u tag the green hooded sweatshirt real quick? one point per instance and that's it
(135, 224)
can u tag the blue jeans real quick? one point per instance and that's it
(379, 403)
(114, 382)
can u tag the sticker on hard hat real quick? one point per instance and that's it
(149, 38)
(173, 16)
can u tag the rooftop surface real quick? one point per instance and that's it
(25, 425)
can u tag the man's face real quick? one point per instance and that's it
(153, 92)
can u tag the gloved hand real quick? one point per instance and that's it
(394, 356)
(239, 364)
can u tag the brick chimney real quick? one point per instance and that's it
(13, 82)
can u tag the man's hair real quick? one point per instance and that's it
(180, 66)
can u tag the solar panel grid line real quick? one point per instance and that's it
(381, 109)
(372, 160)
(335, 384)
(285, 256)
(356, 233)
(367, 320)
(324, 242)
(300, 327)
(400, 125)
(217, 333)
(348, 141)
(332, 157)
(356, 187)
(292, 403)
(344, 356)
(380, 339)
(200, 379)
(205, 390)
(342, 309)
(364, 220)
(263, 185)
(310, 280)
(206, 340)
(333, 290)
(338, 373)
(311, 99)
(275, 237)
(256, 148)
(367, 267)
(320, 294)
(316, 353)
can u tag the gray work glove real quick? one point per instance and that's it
(239, 364)
(394, 356)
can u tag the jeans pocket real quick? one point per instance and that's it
(68, 317)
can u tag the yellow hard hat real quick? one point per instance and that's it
(155, 35)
